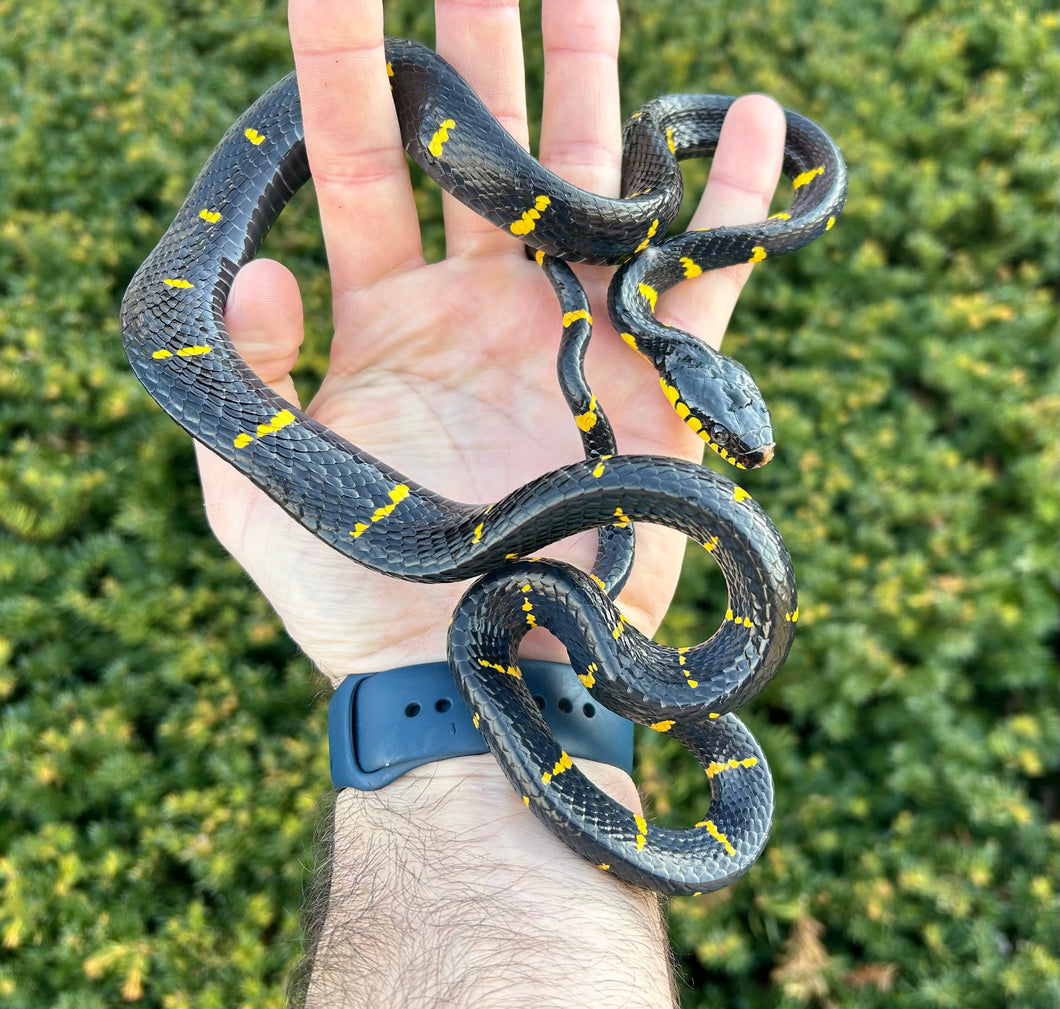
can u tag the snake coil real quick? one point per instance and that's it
(174, 335)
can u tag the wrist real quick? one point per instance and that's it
(466, 814)
(447, 859)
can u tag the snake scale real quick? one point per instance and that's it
(174, 336)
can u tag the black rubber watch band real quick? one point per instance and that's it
(381, 725)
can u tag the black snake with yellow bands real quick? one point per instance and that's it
(174, 335)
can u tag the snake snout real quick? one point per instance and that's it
(759, 457)
(718, 399)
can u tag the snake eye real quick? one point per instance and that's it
(719, 435)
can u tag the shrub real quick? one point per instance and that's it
(163, 742)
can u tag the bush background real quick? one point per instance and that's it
(162, 744)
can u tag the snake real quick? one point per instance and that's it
(173, 332)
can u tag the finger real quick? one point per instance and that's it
(353, 141)
(484, 43)
(581, 130)
(263, 317)
(743, 178)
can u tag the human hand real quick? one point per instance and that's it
(447, 370)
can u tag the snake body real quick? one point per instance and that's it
(174, 336)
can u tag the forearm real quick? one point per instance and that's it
(445, 890)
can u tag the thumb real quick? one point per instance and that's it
(263, 317)
(743, 178)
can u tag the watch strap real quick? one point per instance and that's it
(381, 725)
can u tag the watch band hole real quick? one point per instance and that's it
(443, 705)
(565, 705)
(412, 710)
(589, 710)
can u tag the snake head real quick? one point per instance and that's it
(717, 398)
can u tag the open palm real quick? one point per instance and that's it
(447, 371)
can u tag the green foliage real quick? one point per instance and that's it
(162, 743)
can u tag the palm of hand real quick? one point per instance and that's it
(447, 373)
